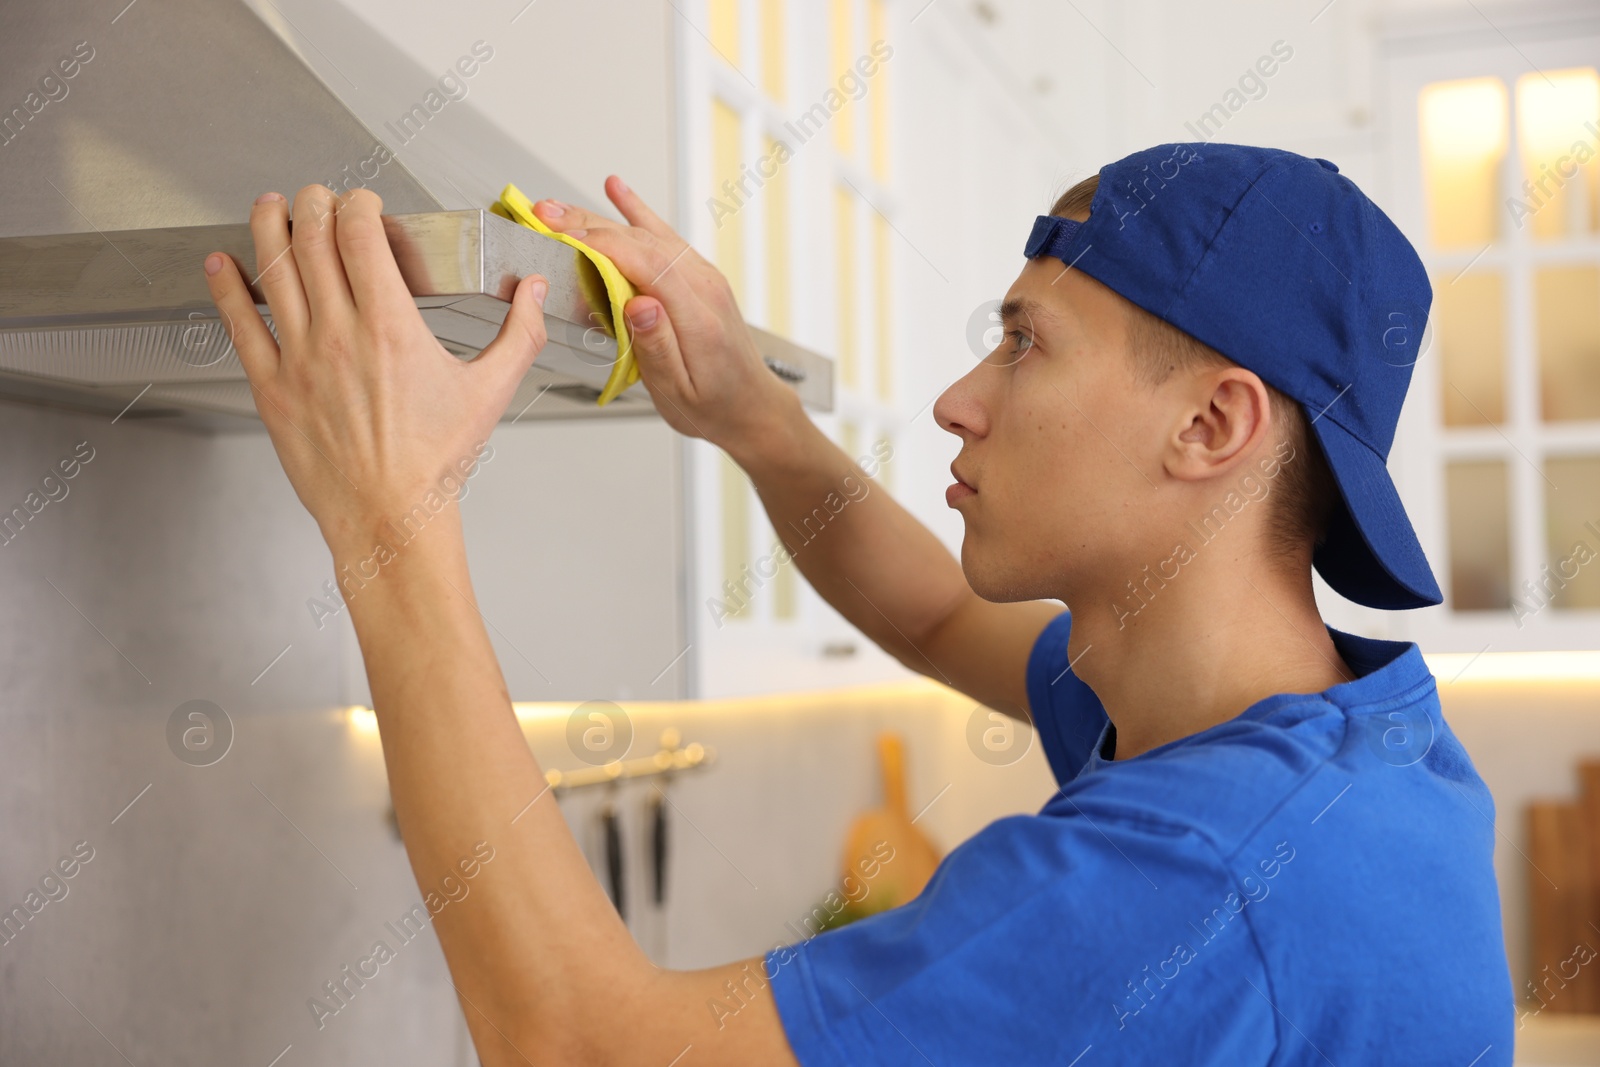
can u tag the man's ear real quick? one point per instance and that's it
(1225, 414)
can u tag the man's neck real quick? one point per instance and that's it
(1207, 646)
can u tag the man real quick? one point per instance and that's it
(1267, 846)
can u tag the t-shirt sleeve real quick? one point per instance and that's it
(1037, 939)
(1067, 716)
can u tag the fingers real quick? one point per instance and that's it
(521, 336)
(369, 263)
(651, 250)
(637, 212)
(276, 275)
(258, 352)
(647, 261)
(316, 252)
(655, 347)
(571, 220)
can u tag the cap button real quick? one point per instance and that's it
(1328, 164)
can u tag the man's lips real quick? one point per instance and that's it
(959, 491)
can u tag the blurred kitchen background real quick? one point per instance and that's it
(627, 575)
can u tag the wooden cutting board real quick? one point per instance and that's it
(886, 841)
(1588, 883)
(1560, 895)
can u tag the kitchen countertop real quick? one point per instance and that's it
(1552, 1040)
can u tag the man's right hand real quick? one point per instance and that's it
(696, 356)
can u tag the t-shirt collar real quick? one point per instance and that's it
(1383, 669)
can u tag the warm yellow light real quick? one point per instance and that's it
(727, 159)
(1466, 668)
(365, 720)
(1555, 110)
(362, 720)
(724, 35)
(1464, 121)
(532, 711)
(844, 206)
(773, 42)
(844, 54)
(1558, 124)
(1464, 133)
(909, 692)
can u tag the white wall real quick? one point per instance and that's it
(584, 86)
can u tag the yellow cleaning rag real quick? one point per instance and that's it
(605, 288)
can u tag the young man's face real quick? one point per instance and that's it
(1060, 477)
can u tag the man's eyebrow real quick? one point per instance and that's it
(1023, 308)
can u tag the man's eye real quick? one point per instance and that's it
(1021, 342)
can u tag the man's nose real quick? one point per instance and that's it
(959, 409)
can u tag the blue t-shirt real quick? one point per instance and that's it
(1311, 882)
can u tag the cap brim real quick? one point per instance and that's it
(1371, 554)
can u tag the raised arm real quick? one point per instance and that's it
(876, 564)
(372, 418)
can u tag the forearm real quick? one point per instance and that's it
(864, 554)
(534, 929)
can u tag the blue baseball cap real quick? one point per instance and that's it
(1283, 265)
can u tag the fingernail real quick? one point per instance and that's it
(645, 319)
(213, 263)
(268, 197)
(576, 234)
(554, 208)
(622, 186)
(538, 290)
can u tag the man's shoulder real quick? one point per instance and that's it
(1293, 766)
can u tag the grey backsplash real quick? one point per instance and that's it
(176, 568)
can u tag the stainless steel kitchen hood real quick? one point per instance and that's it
(116, 180)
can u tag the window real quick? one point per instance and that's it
(1499, 452)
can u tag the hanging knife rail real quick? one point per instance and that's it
(672, 758)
